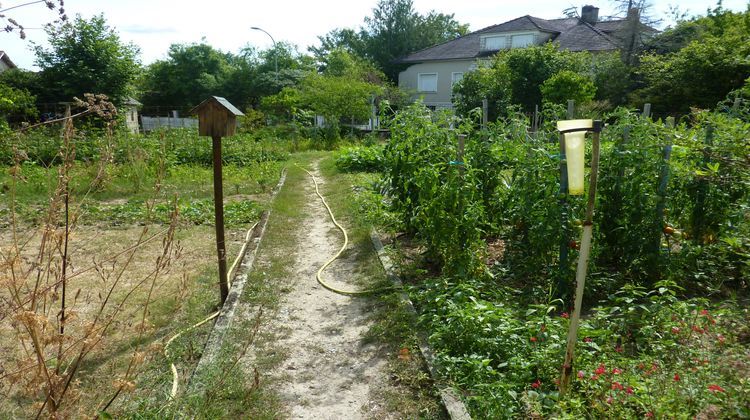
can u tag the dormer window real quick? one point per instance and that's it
(498, 42)
(495, 42)
(522, 40)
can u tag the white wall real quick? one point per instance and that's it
(407, 80)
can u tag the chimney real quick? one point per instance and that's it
(590, 14)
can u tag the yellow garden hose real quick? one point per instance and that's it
(318, 275)
(230, 275)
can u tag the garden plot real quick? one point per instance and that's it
(140, 267)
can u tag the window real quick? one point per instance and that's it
(427, 82)
(520, 41)
(492, 43)
(456, 77)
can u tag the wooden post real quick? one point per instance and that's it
(661, 191)
(583, 261)
(460, 154)
(699, 211)
(646, 111)
(218, 118)
(485, 111)
(221, 249)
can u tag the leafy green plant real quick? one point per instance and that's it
(360, 159)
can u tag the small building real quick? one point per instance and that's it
(5, 62)
(131, 114)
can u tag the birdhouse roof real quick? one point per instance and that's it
(219, 101)
(131, 101)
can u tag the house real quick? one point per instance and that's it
(432, 72)
(5, 63)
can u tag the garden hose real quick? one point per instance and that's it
(230, 274)
(318, 275)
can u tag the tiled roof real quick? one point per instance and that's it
(571, 33)
(8, 62)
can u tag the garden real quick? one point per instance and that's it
(106, 254)
(488, 245)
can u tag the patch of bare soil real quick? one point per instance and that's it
(328, 372)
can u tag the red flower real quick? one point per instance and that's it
(675, 330)
(704, 312)
(616, 371)
(587, 340)
(536, 384)
(533, 339)
(610, 400)
(565, 315)
(581, 374)
(601, 369)
(616, 386)
(720, 338)
(650, 414)
(697, 329)
(629, 390)
(715, 388)
(676, 377)
(618, 349)
(594, 377)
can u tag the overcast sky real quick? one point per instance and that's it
(155, 24)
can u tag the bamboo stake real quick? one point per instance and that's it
(583, 261)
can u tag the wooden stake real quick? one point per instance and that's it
(583, 261)
(219, 216)
(460, 153)
(485, 111)
(646, 111)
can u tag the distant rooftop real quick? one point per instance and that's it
(573, 34)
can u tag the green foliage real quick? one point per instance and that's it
(642, 353)
(516, 76)
(16, 105)
(491, 83)
(360, 159)
(435, 196)
(190, 74)
(703, 72)
(501, 337)
(566, 85)
(394, 30)
(336, 97)
(85, 56)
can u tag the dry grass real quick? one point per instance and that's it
(95, 255)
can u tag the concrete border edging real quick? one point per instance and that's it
(450, 399)
(224, 321)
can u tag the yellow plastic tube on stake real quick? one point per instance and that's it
(575, 147)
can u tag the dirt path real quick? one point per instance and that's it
(328, 373)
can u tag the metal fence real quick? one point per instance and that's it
(154, 123)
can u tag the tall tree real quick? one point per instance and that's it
(85, 56)
(190, 74)
(394, 30)
(639, 23)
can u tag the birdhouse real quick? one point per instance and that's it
(216, 117)
(131, 119)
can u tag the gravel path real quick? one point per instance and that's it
(328, 373)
